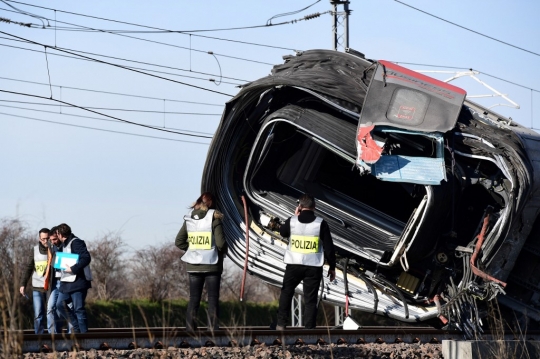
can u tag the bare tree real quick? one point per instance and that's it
(158, 273)
(15, 245)
(108, 267)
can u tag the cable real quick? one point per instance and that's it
(465, 28)
(130, 67)
(164, 30)
(119, 66)
(102, 114)
(82, 28)
(104, 130)
(134, 24)
(120, 109)
(112, 93)
(96, 118)
(115, 58)
(269, 21)
(470, 69)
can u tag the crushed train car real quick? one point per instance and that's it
(431, 199)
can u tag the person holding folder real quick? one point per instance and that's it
(75, 279)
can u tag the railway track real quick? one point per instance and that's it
(162, 338)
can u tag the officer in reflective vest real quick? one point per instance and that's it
(37, 268)
(310, 242)
(201, 236)
(202, 245)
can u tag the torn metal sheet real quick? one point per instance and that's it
(405, 188)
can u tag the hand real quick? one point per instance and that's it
(297, 211)
(21, 290)
(332, 274)
(68, 270)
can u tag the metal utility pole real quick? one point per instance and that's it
(340, 26)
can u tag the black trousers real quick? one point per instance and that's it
(196, 284)
(294, 274)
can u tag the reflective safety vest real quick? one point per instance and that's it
(70, 277)
(40, 268)
(202, 245)
(305, 247)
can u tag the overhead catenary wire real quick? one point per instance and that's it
(105, 130)
(116, 65)
(80, 57)
(155, 29)
(119, 109)
(97, 118)
(112, 93)
(91, 29)
(468, 29)
(470, 69)
(105, 115)
(145, 26)
(269, 21)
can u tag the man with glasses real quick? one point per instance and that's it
(37, 268)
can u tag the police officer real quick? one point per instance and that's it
(37, 268)
(201, 236)
(310, 242)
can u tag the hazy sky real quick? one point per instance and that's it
(100, 181)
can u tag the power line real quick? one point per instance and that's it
(171, 31)
(115, 65)
(97, 118)
(129, 67)
(104, 130)
(269, 21)
(81, 28)
(102, 114)
(117, 58)
(466, 28)
(144, 26)
(120, 109)
(112, 93)
(467, 68)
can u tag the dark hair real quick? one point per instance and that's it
(53, 230)
(44, 230)
(205, 201)
(63, 229)
(307, 201)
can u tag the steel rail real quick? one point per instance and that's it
(159, 338)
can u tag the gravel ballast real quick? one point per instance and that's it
(372, 351)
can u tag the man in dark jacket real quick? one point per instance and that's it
(37, 268)
(75, 281)
(310, 243)
(54, 322)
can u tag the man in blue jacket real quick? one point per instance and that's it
(75, 281)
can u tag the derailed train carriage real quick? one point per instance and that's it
(431, 199)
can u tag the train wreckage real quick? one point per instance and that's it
(432, 199)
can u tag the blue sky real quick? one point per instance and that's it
(100, 181)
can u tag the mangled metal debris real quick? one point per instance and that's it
(430, 197)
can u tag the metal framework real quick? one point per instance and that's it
(340, 22)
(296, 311)
(472, 74)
